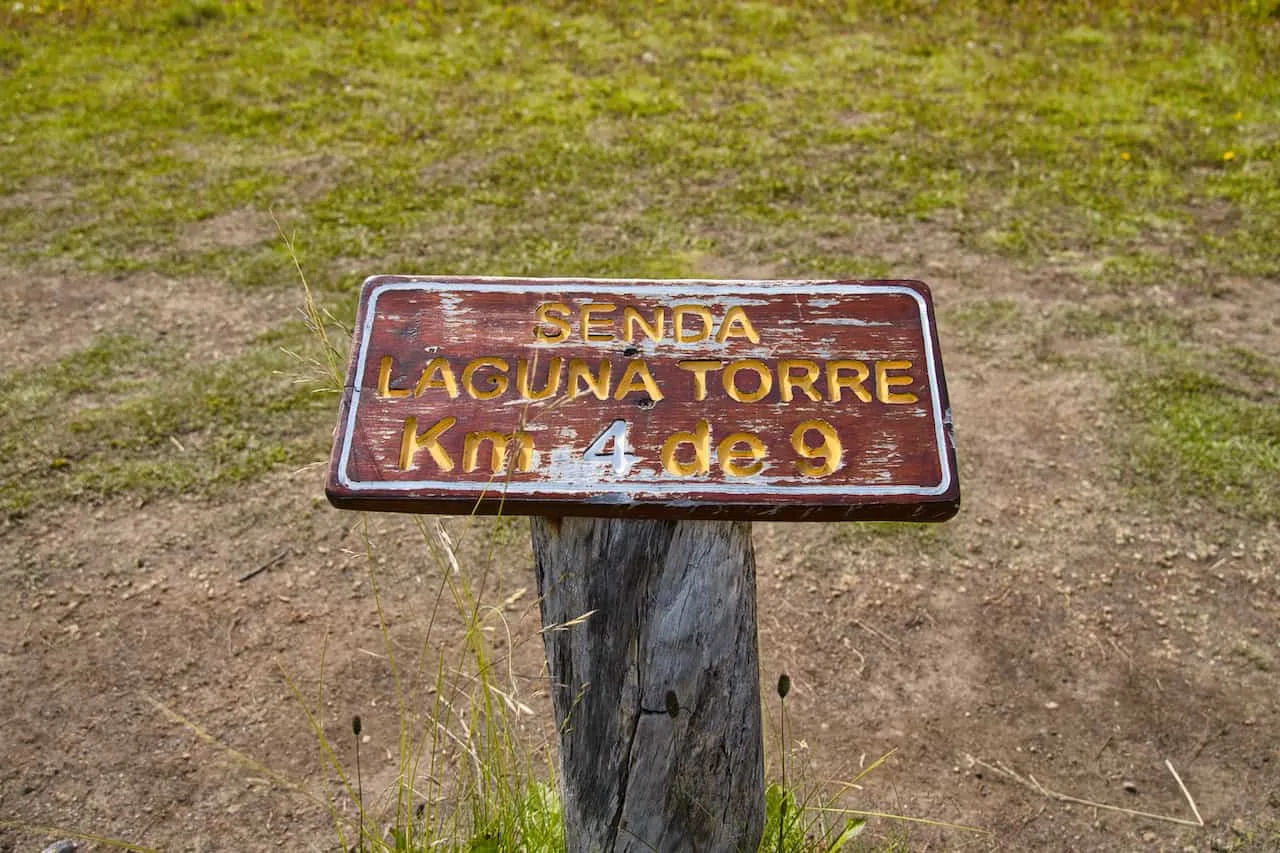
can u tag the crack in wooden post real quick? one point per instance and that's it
(624, 780)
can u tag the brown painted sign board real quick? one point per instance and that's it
(786, 400)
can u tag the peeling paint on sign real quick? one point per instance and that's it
(790, 400)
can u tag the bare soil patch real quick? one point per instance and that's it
(49, 315)
(1057, 627)
(235, 229)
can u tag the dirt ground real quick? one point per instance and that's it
(1058, 629)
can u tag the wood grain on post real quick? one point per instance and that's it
(656, 692)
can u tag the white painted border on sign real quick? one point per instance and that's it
(621, 491)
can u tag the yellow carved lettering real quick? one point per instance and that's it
(412, 441)
(637, 377)
(829, 450)
(633, 320)
(523, 384)
(685, 336)
(499, 449)
(787, 381)
(730, 380)
(437, 374)
(737, 317)
(699, 369)
(582, 379)
(700, 438)
(384, 380)
(590, 323)
(498, 382)
(836, 382)
(886, 383)
(555, 315)
(729, 453)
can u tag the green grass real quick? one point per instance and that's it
(981, 325)
(1212, 435)
(131, 416)
(1197, 422)
(1137, 148)
(550, 138)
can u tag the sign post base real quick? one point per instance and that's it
(650, 634)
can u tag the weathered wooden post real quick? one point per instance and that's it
(644, 424)
(658, 692)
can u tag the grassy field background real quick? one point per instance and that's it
(1098, 184)
(1129, 148)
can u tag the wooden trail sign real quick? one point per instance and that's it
(674, 399)
(644, 423)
